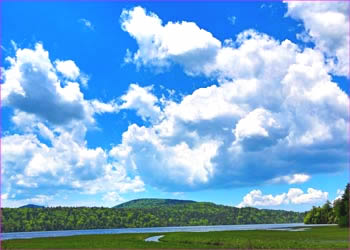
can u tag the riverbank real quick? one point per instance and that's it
(315, 237)
(61, 233)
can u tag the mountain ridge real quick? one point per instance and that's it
(152, 202)
(31, 206)
(141, 213)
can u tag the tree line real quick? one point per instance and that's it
(191, 214)
(336, 213)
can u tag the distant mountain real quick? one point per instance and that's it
(151, 203)
(31, 206)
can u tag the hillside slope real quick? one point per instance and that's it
(180, 214)
(31, 206)
(149, 203)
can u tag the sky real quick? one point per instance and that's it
(240, 104)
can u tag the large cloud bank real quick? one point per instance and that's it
(327, 25)
(274, 114)
(48, 153)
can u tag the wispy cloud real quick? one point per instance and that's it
(232, 20)
(87, 23)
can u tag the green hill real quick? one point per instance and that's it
(31, 206)
(140, 213)
(149, 203)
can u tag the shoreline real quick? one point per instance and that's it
(323, 237)
(212, 228)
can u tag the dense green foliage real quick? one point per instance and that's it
(320, 237)
(149, 203)
(187, 214)
(328, 214)
(321, 215)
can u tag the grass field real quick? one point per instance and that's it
(318, 237)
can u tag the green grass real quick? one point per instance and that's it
(318, 237)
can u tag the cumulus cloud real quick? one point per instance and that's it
(102, 107)
(31, 85)
(161, 164)
(275, 115)
(159, 45)
(327, 25)
(256, 198)
(49, 150)
(68, 68)
(31, 166)
(258, 129)
(201, 53)
(141, 100)
(294, 196)
(297, 196)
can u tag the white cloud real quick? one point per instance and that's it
(163, 164)
(112, 197)
(32, 86)
(340, 193)
(292, 179)
(327, 24)
(84, 79)
(31, 166)
(4, 196)
(256, 198)
(297, 196)
(14, 45)
(232, 20)
(40, 199)
(141, 100)
(275, 115)
(294, 196)
(160, 44)
(68, 68)
(258, 129)
(101, 107)
(201, 53)
(87, 23)
(49, 150)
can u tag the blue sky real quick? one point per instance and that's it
(236, 103)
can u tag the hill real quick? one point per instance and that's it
(31, 206)
(149, 203)
(176, 213)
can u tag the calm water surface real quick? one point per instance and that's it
(25, 235)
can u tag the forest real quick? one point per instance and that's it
(336, 213)
(170, 214)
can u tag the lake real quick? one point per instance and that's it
(25, 235)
